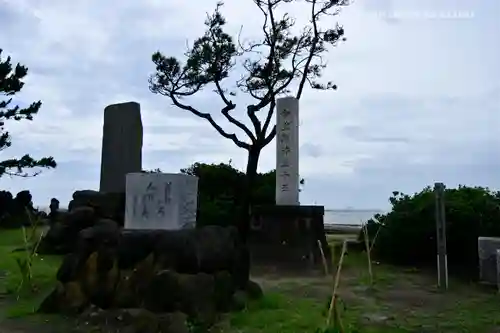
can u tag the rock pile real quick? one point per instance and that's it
(158, 274)
(15, 211)
(87, 209)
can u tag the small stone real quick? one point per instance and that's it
(377, 317)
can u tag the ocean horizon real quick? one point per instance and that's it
(349, 216)
(332, 216)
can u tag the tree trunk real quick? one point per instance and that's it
(251, 173)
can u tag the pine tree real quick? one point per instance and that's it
(284, 60)
(10, 84)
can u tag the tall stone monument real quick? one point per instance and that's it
(287, 151)
(287, 233)
(165, 201)
(121, 145)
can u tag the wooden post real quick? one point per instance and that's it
(442, 259)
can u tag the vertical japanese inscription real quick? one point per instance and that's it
(287, 152)
(152, 202)
(147, 198)
(135, 202)
(168, 192)
(187, 214)
(285, 140)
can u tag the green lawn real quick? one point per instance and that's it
(398, 301)
(15, 302)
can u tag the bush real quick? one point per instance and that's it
(408, 232)
(14, 210)
(220, 189)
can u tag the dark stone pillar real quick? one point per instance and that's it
(121, 145)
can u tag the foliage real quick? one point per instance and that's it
(43, 268)
(280, 60)
(10, 84)
(31, 241)
(407, 234)
(14, 211)
(220, 189)
(152, 171)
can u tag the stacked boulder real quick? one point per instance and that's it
(169, 277)
(17, 211)
(87, 209)
(198, 272)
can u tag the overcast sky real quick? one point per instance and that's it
(418, 96)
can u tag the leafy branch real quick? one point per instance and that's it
(10, 84)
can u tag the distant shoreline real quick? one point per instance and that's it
(349, 210)
(350, 218)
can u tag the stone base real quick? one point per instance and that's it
(288, 236)
(200, 272)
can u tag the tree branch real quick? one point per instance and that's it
(270, 114)
(231, 106)
(311, 51)
(270, 137)
(212, 122)
(271, 65)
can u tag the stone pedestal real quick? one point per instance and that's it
(161, 201)
(121, 145)
(287, 236)
(487, 250)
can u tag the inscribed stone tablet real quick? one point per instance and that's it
(161, 201)
(487, 251)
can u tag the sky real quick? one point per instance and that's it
(418, 97)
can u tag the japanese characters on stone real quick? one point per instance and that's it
(189, 204)
(287, 163)
(154, 201)
(285, 150)
(161, 201)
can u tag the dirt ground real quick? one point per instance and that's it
(405, 299)
(408, 300)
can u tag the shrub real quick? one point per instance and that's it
(408, 232)
(14, 210)
(220, 189)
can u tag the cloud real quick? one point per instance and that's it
(418, 98)
(311, 149)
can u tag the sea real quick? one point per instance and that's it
(332, 216)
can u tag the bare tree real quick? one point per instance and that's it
(272, 65)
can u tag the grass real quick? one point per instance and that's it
(392, 300)
(397, 301)
(44, 269)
